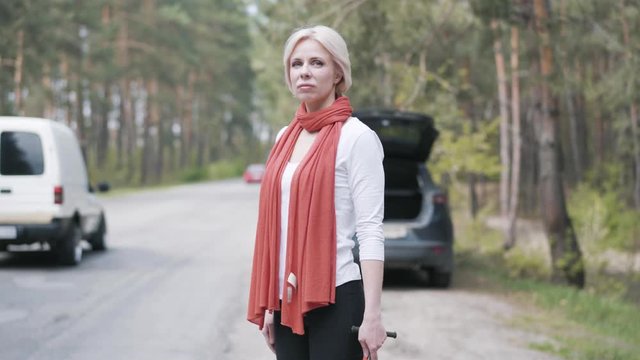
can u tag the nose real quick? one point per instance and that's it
(304, 71)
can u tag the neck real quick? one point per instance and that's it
(315, 106)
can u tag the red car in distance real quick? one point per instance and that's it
(253, 173)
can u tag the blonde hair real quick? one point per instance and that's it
(332, 42)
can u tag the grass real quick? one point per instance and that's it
(580, 324)
(223, 169)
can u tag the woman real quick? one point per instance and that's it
(324, 182)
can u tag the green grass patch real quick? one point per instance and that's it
(580, 324)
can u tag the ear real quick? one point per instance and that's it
(338, 78)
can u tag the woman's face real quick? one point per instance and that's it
(313, 75)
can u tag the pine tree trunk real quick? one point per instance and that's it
(566, 256)
(530, 174)
(48, 110)
(149, 158)
(573, 129)
(633, 111)
(387, 88)
(126, 132)
(469, 111)
(633, 117)
(571, 108)
(17, 76)
(156, 135)
(103, 130)
(3, 99)
(187, 121)
(504, 120)
(146, 147)
(80, 118)
(516, 137)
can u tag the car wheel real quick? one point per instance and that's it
(68, 249)
(439, 279)
(98, 240)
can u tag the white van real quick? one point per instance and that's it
(45, 196)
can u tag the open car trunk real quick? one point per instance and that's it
(407, 139)
(403, 194)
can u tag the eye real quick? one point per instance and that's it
(317, 62)
(296, 63)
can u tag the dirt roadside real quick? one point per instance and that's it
(463, 322)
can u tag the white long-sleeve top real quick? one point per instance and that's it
(359, 200)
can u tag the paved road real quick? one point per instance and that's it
(174, 286)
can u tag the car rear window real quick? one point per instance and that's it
(20, 153)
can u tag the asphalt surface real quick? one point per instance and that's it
(173, 285)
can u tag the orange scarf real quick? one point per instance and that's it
(310, 271)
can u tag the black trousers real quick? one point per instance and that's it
(327, 330)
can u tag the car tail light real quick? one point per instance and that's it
(438, 250)
(58, 195)
(439, 199)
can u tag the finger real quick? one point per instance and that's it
(272, 337)
(365, 350)
(373, 355)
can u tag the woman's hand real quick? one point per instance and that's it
(371, 336)
(268, 331)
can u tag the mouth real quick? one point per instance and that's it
(304, 86)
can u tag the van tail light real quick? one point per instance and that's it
(58, 195)
(440, 199)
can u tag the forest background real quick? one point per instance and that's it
(536, 102)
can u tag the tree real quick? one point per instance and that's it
(566, 256)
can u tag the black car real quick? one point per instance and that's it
(417, 222)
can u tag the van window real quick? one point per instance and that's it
(20, 153)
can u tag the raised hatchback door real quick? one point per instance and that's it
(403, 135)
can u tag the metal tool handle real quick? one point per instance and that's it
(391, 334)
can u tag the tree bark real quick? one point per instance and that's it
(601, 115)
(102, 146)
(187, 121)
(102, 131)
(80, 118)
(126, 131)
(387, 89)
(633, 111)
(566, 256)
(633, 117)
(504, 123)
(569, 94)
(17, 75)
(148, 165)
(156, 136)
(48, 110)
(516, 150)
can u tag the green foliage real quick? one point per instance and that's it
(600, 213)
(222, 169)
(78, 56)
(226, 168)
(526, 264)
(195, 175)
(468, 151)
(603, 315)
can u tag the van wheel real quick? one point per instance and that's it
(68, 249)
(98, 240)
(439, 279)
